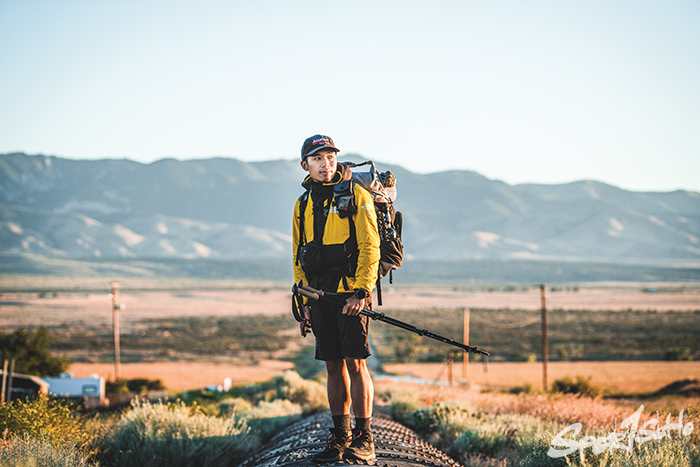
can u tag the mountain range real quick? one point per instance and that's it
(224, 208)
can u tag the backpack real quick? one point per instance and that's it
(382, 187)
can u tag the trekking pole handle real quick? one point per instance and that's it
(307, 291)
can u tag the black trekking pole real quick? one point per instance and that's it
(314, 294)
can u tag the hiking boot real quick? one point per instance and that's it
(337, 442)
(362, 446)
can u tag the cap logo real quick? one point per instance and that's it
(315, 143)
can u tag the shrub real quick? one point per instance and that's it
(682, 354)
(269, 418)
(136, 385)
(233, 405)
(119, 386)
(26, 451)
(581, 386)
(51, 419)
(310, 395)
(524, 389)
(493, 435)
(158, 434)
(401, 403)
(537, 457)
(667, 453)
(474, 437)
(429, 420)
(480, 441)
(139, 385)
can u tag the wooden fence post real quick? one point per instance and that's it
(545, 347)
(450, 359)
(465, 361)
(115, 324)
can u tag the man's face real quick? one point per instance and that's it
(321, 165)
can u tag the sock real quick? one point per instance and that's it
(341, 421)
(363, 423)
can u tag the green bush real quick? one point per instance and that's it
(139, 385)
(160, 434)
(28, 451)
(136, 385)
(119, 386)
(683, 354)
(581, 386)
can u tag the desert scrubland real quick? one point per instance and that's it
(626, 340)
(81, 309)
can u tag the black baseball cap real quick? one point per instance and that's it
(315, 143)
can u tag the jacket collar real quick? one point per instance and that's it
(342, 174)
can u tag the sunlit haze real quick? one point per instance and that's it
(520, 91)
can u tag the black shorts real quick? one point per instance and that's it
(338, 335)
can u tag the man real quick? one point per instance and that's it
(336, 249)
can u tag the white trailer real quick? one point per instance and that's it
(90, 389)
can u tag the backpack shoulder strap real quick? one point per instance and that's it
(303, 200)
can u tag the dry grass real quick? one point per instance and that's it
(594, 413)
(623, 377)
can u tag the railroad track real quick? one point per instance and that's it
(395, 445)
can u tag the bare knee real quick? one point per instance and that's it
(335, 367)
(355, 366)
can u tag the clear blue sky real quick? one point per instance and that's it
(520, 91)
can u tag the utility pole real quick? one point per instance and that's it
(450, 359)
(545, 347)
(115, 325)
(465, 361)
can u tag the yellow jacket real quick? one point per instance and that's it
(337, 231)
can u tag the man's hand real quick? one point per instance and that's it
(305, 325)
(353, 306)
